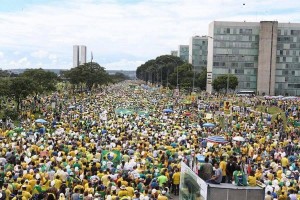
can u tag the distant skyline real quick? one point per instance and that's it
(122, 34)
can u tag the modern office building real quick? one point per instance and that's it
(79, 55)
(75, 55)
(263, 55)
(183, 52)
(198, 52)
(82, 54)
(174, 53)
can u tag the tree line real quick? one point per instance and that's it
(33, 82)
(166, 68)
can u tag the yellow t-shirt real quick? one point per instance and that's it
(252, 181)
(123, 193)
(223, 167)
(284, 162)
(176, 178)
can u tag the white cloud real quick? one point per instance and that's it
(39, 54)
(123, 64)
(1, 55)
(142, 30)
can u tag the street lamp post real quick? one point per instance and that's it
(177, 79)
(194, 73)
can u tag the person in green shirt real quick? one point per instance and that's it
(162, 179)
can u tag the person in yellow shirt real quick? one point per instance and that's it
(130, 191)
(252, 179)
(279, 172)
(162, 196)
(284, 162)
(123, 192)
(25, 194)
(19, 196)
(223, 168)
(57, 182)
(176, 181)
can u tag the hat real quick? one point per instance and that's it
(123, 187)
(113, 188)
(163, 192)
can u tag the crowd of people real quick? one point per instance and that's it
(127, 142)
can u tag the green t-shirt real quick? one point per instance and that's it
(161, 180)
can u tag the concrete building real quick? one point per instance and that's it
(79, 55)
(183, 52)
(75, 55)
(174, 53)
(263, 55)
(82, 54)
(198, 52)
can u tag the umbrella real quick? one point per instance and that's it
(200, 158)
(217, 139)
(40, 121)
(238, 139)
(208, 125)
(168, 110)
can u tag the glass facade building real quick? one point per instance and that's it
(287, 80)
(263, 55)
(183, 52)
(198, 52)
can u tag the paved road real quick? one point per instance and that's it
(175, 197)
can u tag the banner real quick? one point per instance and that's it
(227, 106)
(113, 156)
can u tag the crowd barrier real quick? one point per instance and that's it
(192, 187)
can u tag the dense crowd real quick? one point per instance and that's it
(128, 140)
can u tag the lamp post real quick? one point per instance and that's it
(194, 73)
(177, 79)
(161, 81)
(227, 84)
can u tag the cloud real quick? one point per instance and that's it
(1, 55)
(138, 29)
(39, 54)
(123, 64)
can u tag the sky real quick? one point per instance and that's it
(122, 34)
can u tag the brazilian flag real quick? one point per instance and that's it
(113, 156)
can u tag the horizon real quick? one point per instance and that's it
(122, 34)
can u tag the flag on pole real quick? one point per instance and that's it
(91, 56)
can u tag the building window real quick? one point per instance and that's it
(293, 72)
(247, 85)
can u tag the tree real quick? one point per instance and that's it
(201, 79)
(186, 74)
(118, 77)
(88, 74)
(44, 81)
(220, 83)
(162, 66)
(20, 88)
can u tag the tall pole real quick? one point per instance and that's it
(167, 78)
(194, 78)
(227, 84)
(177, 75)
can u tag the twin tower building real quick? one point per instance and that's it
(79, 55)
